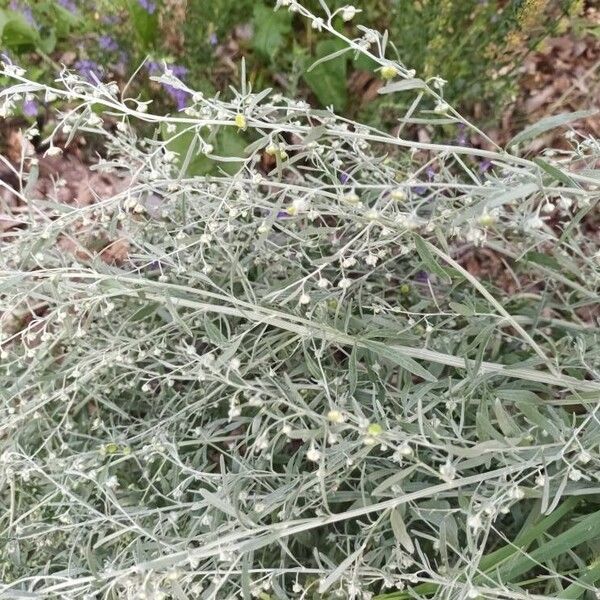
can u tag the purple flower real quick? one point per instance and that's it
(485, 165)
(283, 214)
(461, 139)
(108, 43)
(179, 96)
(178, 70)
(420, 190)
(89, 70)
(68, 4)
(153, 67)
(213, 40)
(422, 277)
(148, 6)
(123, 57)
(344, 177)
(25, 12)
(430, 173)
(30, 108)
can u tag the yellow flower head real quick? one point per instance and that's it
(486, 220)
(388, 72)
(335, 416)
(240, 121)
(374, 429)
(399, 195)
(110, 448)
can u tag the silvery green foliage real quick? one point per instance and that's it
(291, 387)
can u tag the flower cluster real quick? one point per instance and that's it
(179, 95)
(148, 5)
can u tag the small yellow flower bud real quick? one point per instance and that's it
(110, 448)
(335, 416)
(388, 72)
(374, 429)
(398, 195)
(240, 121)
(486, 220)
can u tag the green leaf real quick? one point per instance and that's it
(550, 123)
(506, 423)
(15, 32)
(353, 371)
(554, 172)
(429, 260)
(270, 29)
(328, 79)
(399, 358)
(228, 144)
(545, 260)
(144, 24)
(365, 63)
(528, 536)
(461, 309)
(514, 395)
(400, 532)
(401, 86)
(47, 43)
(500, 556)
(147, 310)
(587, 580)
(65, 19)
(4, 18)
(496, 200)
(586, 529)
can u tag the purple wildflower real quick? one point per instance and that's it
(213, 40)
(179, 96)
(89, 69)
(485, 165)
(461, 139)
(430, 173)
(178, 70)
(283, 214)
(68, 4)
(422, 277)
(25, 12)
(108, 43)
(153, 67)
(30, 108)
(420, 190)
(148, 6)
(344, 177)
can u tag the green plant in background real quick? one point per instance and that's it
(26, 27)
(474, 45)
(99, 40)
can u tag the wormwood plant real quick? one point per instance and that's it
(292, 387)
